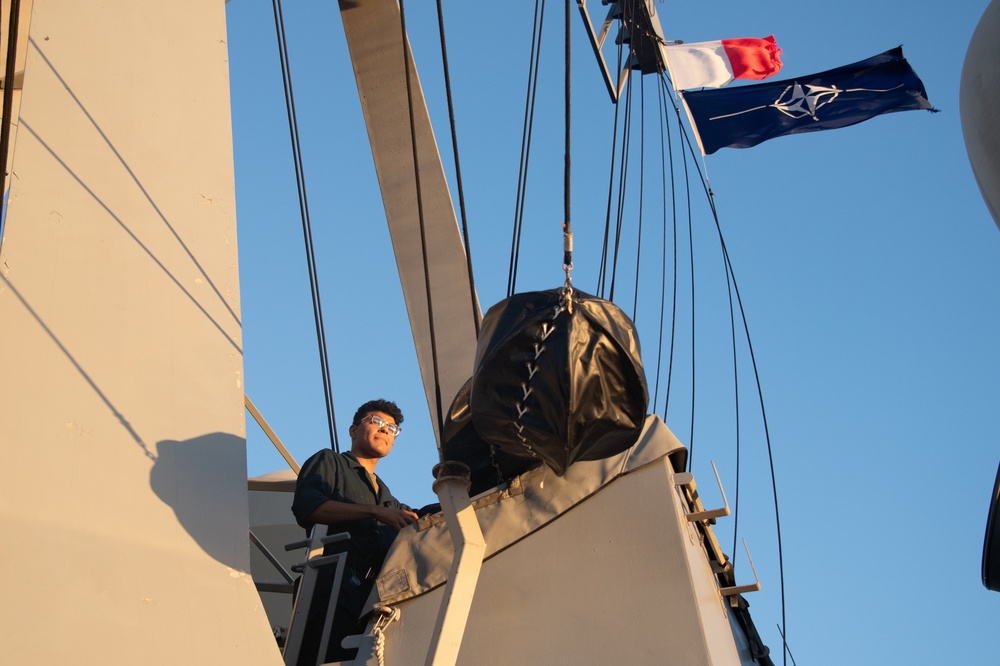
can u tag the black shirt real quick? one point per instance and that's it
(328, 475)
(340, 477)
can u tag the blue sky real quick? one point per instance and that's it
(868, 265)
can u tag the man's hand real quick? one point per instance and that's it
(397, 519)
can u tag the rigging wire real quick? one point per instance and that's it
(788, 649)
(663, 264)
(622, 180)
(661, 99)
(710, 198)
(602, 281)
(567, 229)
(736, 401)
(689, 155)
(690, 216)
(423, 236)
(642, 181)
(476, 314)
(763, 411)
(526, 135)
(293, 128)
(601, 278)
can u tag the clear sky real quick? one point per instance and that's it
(867, 262)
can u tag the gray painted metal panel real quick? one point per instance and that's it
(620, 578)
(123, 496)
(420, 558)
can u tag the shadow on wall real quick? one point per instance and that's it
(204, 480)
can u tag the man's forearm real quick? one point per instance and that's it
(331, 512)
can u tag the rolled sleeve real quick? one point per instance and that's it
(316, 484)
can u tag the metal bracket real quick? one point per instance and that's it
(686, 480)
(597, 41)
(742, 589)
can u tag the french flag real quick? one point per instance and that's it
(714, 64)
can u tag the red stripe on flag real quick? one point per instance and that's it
(753, 57)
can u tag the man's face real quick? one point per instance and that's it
(368, 440)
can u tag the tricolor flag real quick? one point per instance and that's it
(744, 116)
(714, 64)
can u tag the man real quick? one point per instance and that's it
(341, 490)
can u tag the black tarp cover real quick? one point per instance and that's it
(558, 386)
(488, 466)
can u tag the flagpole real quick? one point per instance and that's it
(680, 96)
(687, 112)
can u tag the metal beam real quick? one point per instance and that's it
(374, 38)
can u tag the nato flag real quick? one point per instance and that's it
(744, 116)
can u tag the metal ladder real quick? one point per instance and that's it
(317, 541)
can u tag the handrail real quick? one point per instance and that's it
(743, 589)
(262, 422)
(271, 558)
(698, 512)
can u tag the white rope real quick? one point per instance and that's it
(387, 615)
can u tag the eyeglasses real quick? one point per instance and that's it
(380, 423)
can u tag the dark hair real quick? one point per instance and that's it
(379, 405)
